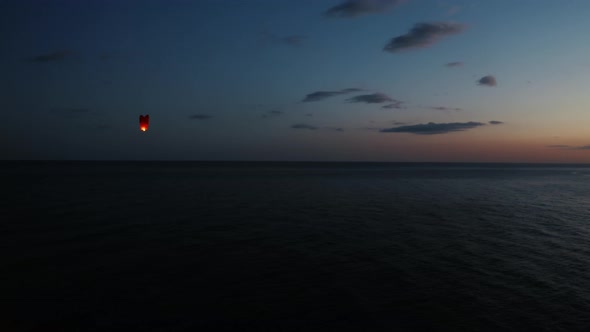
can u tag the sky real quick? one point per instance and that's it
(296, 80)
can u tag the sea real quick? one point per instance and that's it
(294, 246)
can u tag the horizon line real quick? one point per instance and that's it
(288, 161)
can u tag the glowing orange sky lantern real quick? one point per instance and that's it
(144, 122)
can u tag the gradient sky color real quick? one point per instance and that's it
(317, 80)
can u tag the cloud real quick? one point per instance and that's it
(432, 128)
(309, 114)
(423, 35)
(320, 95)
(272, 113)
(304, 126)
(354, 8)
(493, 122)
(443, 108)
(339, 129)
(397, 104)
(51, 57)
(200, 117)
(374, 98)
(291, 40)
(269, 38)
(455, 64)
(569, 147)
(488, 80)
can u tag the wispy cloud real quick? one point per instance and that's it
(200, 116)
(304, 126)
(443, 108)
(291, 40)
(272, 113)
(432, 128)
(493, 122)
(320, 95)
(423, 35)
(339, 129)
(397, 104)
(488, 80)
(354, 8)
(373, 98)
(51, 57)
(454, 64)
(569, 147)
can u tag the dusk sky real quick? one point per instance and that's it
(313, 80)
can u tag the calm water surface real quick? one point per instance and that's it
(104, 246)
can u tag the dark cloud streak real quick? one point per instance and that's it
(423, 35)
(443, 108)
(432, 128)
(488, 80)
(269, 38)
(569, 147)
(272, 113)
(51, 57)
(374, 98)
(454, 64)
(354, 8)
(303, 126)
(397, 104)
(320, 95)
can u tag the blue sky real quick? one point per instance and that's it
(227, 80)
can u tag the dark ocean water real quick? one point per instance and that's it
(150, 246)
